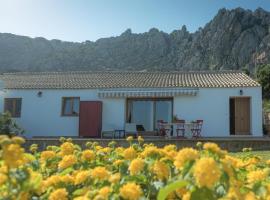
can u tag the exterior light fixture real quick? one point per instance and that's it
(39, 94)
(241, 92)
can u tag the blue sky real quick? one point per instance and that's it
(80, 20)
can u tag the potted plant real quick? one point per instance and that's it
(175, 118)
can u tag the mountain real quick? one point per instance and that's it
(233, 39)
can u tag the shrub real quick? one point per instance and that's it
(148, 172)
(8, 126)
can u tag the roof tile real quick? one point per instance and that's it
(94, 80)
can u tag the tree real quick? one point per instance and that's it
(263, 75)
(8, 126)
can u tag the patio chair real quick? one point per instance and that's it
(168, 129)
(180, 128)
(196, 128)
(131, 129)
(161, 128)
(164, 129)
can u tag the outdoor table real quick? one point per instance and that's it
(188, 126)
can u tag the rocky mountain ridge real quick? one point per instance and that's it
(233, 40)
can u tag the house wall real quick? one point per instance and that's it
(41, 116)
(212, 105)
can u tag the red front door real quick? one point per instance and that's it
(90, 119)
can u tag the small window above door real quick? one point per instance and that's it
(70, 106)
(13, 106)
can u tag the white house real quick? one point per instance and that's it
(86, 103)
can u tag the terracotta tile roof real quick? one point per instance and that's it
(92, 80)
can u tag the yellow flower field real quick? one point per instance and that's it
(141, 171)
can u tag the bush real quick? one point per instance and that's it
(8, 126)
(263, 75)
(140, 171)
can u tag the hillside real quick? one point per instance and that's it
(233, 39)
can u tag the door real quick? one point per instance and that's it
(147, 111)
(90, 119)
(240, 116)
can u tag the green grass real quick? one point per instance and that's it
(264, 154)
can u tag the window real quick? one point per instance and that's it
(70, 106)
(13, 106)
(147, 112)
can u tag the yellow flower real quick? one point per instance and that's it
(119, 150)
(234, 193)
(100, 173)
(67, 148)
(81, 177)
(169, 155)
(3, 178)
(45, 155)
(234, 162)
(67, 161)
(252, 161)
(117, 162)
(180, 192)
(51, 181)
(59, 194)
(136, 166)
(140, 139)
(81, 198)
(88, 155)
(184, 155)
(115, 178)
(13, 155)
(105, 150)
(151, 151)
(129, 153)
(3, 169)
(33, 148)
(18, 140)
(170, 147)
(104, 192)
(258, 175)
(129, 138)
(4, 139)
(98, 147)
(206, 172)
(67, 179)
(250, 196)
(212, 147)
(130, 191)
(28, 158)
(24, 196)
(186, 196)
(161, 170)
(171, 196)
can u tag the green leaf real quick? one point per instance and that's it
(164, 192)
(202, 193)
(141, 179)
(78, 192)
(259, 189)
(187, 167)
(66, 171)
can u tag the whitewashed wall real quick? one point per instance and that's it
(212, 105)
(41, 116)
